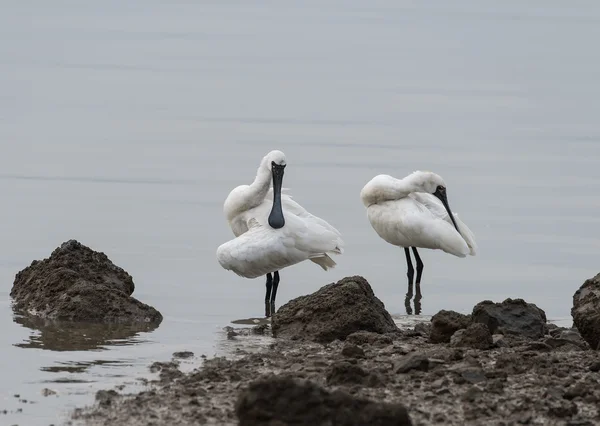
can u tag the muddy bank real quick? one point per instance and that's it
(526, 372)
(77, 283)
(516, 382)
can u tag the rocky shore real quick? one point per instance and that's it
(339, 359)
(78, 284)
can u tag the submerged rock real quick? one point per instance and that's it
(77, 283)
(445, 323)
(513, 316)
(586, 311)
(277, 400)
(333, 312)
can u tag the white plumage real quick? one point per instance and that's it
(405, 213)
(260, 249)
(414, 212)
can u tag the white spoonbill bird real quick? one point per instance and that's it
(273, 231)
(414, 212)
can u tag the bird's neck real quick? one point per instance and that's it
(257, 191)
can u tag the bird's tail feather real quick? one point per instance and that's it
(324, 262)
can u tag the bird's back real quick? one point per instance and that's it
(263, 249)
(408, 223)
(259, 249)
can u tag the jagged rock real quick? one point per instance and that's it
(77, 283)
(445, 323)
(277, 400)
(512, 316)
(412, 361)
(369, 338)
(586, 311)
(106, 397)
(353, 351)
(475, 336)
(499, 341)
(345, 373)
(333, 312)
(423, 328)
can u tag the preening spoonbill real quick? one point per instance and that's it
(273, 231)
(414, 212)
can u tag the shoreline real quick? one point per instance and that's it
(516, 381)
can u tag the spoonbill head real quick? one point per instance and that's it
(414, 212)
(272, 230)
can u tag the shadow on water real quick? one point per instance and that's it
(73, 336)
(82, 366)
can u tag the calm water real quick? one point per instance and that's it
(125, 126)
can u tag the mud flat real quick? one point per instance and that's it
(501, 365)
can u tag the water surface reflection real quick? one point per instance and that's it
(72, 336)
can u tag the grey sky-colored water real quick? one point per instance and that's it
(125, 124)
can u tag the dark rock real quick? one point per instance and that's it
(595, 367)
(535, 346)
(48, 392)
(77, 283)
(345, 373)
(353, 351)
(475, 336)
(413, 361)
(444, 353)
(231, 333)
(578, 389)
(513, 316)
(423, 328)
(333, 312)
(473, 375)
(168, 370)
(495, 386)
(561, 408)
(499, 341)
(562, 344)
(573, 335)
(555, 332)
(106, 397)
(445, 323)
(277, 400)
(586, 311)
(471, 394)
(260, 329)
(183, 354)
(369, 338)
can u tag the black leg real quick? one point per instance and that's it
(417, 300)
(274, 293)
(418, 295)
(419, 265)
(410, 274)
(268, 295)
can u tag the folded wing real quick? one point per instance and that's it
(435, 206)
